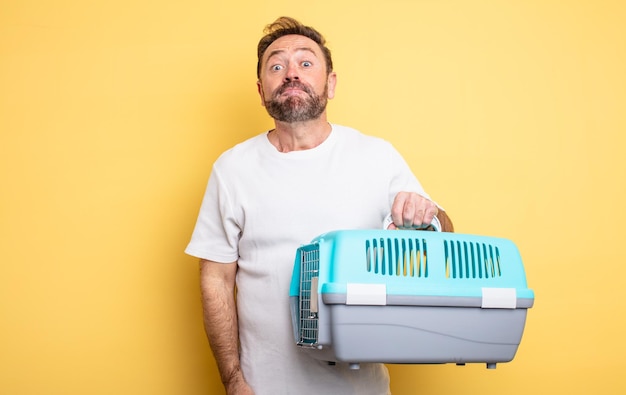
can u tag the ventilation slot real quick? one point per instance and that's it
(471, 260)
(399, 257)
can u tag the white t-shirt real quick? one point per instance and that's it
(260, 206)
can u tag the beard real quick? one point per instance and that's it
(296, 108)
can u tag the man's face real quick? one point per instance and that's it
(294, 84)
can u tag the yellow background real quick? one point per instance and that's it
(511, 113)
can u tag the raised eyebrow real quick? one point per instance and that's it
(279, 51)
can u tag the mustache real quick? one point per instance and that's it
(292, 84)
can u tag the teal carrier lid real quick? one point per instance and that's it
(408, 263)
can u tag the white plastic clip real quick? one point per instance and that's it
(499, 298)
(366, 294)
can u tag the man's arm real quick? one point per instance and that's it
(217, 283)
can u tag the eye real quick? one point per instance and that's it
(276, 67)
(306, 63)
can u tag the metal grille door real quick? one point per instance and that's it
(309, 270)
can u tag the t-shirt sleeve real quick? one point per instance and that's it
(403, 179)
(216, 234)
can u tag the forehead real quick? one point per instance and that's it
(292, 43)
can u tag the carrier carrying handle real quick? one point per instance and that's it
(435, 225)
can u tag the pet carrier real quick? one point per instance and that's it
(409, 296)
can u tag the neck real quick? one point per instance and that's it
(298, 136)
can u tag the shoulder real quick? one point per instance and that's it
(358, 140)
(243, 152)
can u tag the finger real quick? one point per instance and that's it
(410, 213)
(397, 208)
(426, 213)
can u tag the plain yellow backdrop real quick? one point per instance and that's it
(511, 113)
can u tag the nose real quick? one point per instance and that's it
(292, 73)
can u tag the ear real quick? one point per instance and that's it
(332, 83)
(259, 87)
